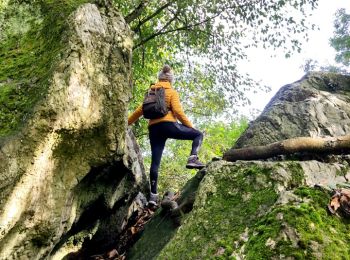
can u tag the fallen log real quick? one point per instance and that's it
(290, 146)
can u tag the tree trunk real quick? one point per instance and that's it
(289, 146)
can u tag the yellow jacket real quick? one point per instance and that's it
(173, 102)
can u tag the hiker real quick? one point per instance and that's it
(160, 129)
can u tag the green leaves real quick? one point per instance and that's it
(210, 36)
(341, 39)
(340, 42)
(203, 42)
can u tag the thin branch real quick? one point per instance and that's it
(137, 12)
(154, 35)
(177, 17)
(158, 11)
(183, 28)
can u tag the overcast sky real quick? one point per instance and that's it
(279, 71)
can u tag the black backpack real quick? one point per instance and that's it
(154, 105)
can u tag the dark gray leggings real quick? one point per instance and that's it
(159, 133)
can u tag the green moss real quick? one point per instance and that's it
(235, 215)
(297, 175)
(155, 236)
(161, 228)
(72, 243)
(302, 231)
(43, 233)
(344, 169)
(214, 227)
(27, 59)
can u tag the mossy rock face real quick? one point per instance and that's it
(30, 46)
(253, 210)
(159, 231)
(316, 105)
(302, 229)
(68, 169)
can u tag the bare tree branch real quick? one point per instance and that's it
(158, 11)
(183, 28)
(137, 12)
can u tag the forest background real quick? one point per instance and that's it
(212, 87)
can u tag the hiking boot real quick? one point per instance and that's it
(194, 163)
(153, 200)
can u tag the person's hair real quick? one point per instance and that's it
(166, 74)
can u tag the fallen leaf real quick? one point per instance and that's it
(334, 204)
(345, 192)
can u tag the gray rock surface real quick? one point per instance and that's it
(71, 174)
(316, 105)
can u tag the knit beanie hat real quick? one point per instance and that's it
(166, 74)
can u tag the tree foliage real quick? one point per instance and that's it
(203, 40)
(341, 38)
(340, 41)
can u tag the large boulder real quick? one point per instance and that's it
(254, 210)
(316, 105)
(262, 210)
(271, 209)
(70, 174)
